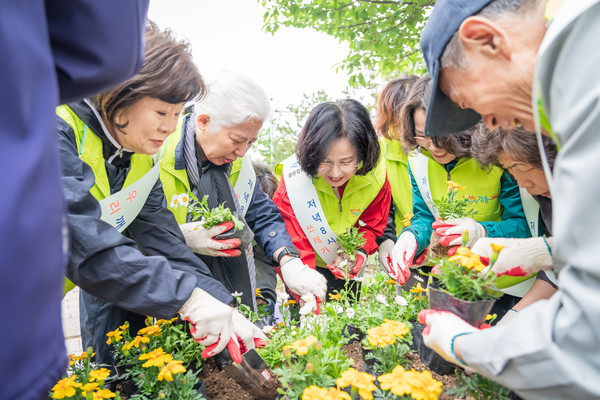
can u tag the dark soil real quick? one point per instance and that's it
(436, 249)
(355, 353)
(341, 258)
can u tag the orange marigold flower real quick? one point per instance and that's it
(152, 330)
(156, 358)
(172, 368)
(114, 336)
(136, 342)
(454, 185)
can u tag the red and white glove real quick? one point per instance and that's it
(212, 324)
(519, 257)
(249, 336)
(385, 261)
(443, 327)
(361, 260)
(303, 280)
(401, 257)
(451, 231)
(201, 240)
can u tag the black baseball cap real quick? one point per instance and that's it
(445, 117)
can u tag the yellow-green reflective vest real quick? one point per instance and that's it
(89, 147)
(396, 164)
(482, 188)
(343, 213)
(175, 181)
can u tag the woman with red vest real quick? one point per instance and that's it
(334, 182)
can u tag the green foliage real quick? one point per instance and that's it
(216, 216)
(449, 207)
(478, 387)
(277, 141)
(351, 241)
(382, 36)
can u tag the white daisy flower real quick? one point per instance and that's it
(309, 306)
(268, 329)
(284, 296)
(381, 298)
(174, 201)
(350, 312)
(184, 199)
(338, 309)
(237, 294)
(401, 301)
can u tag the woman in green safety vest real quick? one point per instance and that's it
(434, 161)
(127, 253)
(334, 181)
(387, 125)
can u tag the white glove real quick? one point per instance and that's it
(384, 251)
(510, 314)
(452, 229)
(442, 330)
(249, 335)
(211, 321)
(519, 257)
(200, 240)
(303, 280)
(402, 256)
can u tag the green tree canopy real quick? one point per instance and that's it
(383, 35)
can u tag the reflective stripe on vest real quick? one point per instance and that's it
(532, 211)
(243, 179)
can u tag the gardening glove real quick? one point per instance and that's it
(452, 229)
(339, 273)
(201, 240)
(211, 323)
(443, 327)
(402, 255)
(249, 336)
(385, 261)
(510, 314)
(519, 257)
(303, 280)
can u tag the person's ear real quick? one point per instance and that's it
(202, 122)
(481, 35)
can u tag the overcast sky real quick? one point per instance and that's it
(227, 34)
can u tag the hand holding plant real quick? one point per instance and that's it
(350, 258)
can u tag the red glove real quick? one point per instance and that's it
(361, 259)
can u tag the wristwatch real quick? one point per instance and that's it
(287, 251)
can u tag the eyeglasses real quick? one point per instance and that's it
(423, 141)
(347, 167)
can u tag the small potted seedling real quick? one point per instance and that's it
(350, 242)
(448, 207)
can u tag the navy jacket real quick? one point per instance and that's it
(53, 52)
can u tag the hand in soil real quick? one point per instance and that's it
(345, 267)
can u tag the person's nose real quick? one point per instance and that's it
(168, 127)
(491, 121)
(240, 150)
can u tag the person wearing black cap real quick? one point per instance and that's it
(531, 64)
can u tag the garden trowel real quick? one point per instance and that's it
(251, 374)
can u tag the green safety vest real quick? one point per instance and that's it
(482, 187)
(396, 164)
(175, 181)
(359, 193)
(89, 147)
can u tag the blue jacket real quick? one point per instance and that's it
(53, 52)
(512, 225)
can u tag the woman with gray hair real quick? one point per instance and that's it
(205, 156)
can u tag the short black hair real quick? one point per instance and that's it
(331, 121)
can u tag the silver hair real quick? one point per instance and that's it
(454, 54)
(232, 99)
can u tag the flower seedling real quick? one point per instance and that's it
(200, 210)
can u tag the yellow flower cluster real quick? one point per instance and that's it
(419, 385)
(66, 387)
(114, 336)
(136, 342)
(455, 186)
(386, 333)
(172, 368)
(406, 221)
(359, 380)
(152, 330)
(318, 393)
(156, 358)
(301, 346)
(468, 259)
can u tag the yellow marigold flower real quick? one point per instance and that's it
(468, 259)
(152, 330)
(65, 388)
(423, 386)
(314, 393)
(390, 282)
(491, 316)
(88, 387)
(301, 346)
(257, 293)
(337, 296)
(165, 321)
(496, 247)
(114, 336)
(82, 356)
(156, 358)
(454, 185)
(172, 368)
(380, 336)
(406, 221)
(418, 289)
(360, 380)
(99, 374)
(136, 342)
(336, 394)
(396, 327)
(124, 326)
(103, 394)
(395, 382)
(289, 302)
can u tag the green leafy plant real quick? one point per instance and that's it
(216, 216)
(478, 387)
(351, 241)
(450, 207)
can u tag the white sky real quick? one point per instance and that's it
(227, 34)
